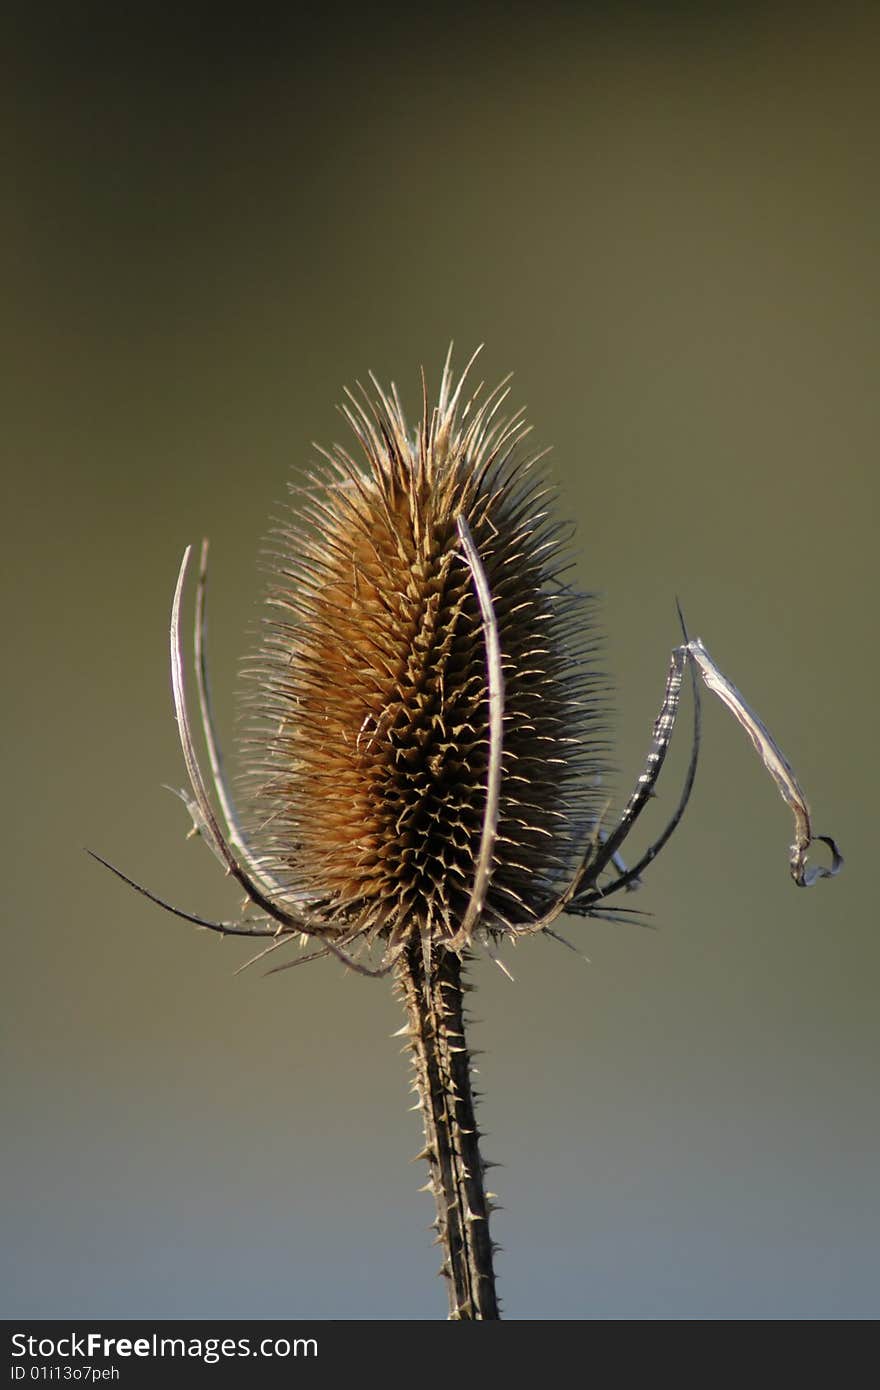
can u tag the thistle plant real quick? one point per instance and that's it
(425, 747)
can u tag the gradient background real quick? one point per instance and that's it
(665, 221)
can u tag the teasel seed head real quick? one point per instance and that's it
(367, 737)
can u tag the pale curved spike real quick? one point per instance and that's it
(483, 872)
(236, 835)
(777, 765)
(299, 921)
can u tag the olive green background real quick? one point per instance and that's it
(664, 220)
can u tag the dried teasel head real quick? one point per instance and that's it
(425, 741)
(426, 725)
(412, 734)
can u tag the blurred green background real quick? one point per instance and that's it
(664, 220)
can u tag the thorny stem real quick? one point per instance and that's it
(434, 1000)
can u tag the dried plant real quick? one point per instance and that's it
(425, 744)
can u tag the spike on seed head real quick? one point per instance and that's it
(369, 738)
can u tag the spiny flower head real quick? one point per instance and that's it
(369, 724)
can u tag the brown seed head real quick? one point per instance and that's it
(368, 741)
